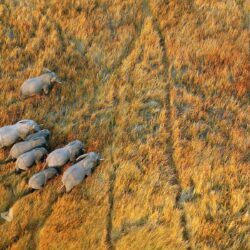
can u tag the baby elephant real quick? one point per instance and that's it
(12, 133)
(29, 158)
(61, 156)
(76, 173)
(25, 146)
(37, 85)
(39, 180)
(42, 133)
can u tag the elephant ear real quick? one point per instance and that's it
(81, 157)
(36, 127)
(24, 130)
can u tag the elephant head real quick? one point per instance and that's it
(42, 133)
(91, 155)
(25, 127)
(53, 78)
(40, 152)
(75, 148)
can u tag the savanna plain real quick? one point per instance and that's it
(161, 90)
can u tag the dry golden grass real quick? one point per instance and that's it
(162, 91)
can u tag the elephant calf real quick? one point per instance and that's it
(37, 85)
(42, 133)
(76, 173)
(25, 146)
(61, 156)
(29, 158)
(12, 133)
(39, 180)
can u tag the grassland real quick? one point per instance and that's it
(161, 89)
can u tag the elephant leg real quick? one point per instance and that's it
(88, 172)
(46, 89)
(22, 97)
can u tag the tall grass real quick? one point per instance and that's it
(162, 91)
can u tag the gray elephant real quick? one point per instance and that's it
(42, 133)
(25, 146)
(12, 133)
(89, 161)
(29, 158)
(73, 176)
(76, 173)
(61, 156)
(39, 180)
(37, 85)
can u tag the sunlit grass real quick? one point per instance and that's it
(162, 92)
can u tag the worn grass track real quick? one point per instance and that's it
(127, 52)
(174, 179)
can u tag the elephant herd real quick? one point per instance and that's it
(29, 143)
(33, 149)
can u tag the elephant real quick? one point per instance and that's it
(29, 158)
(12, 133)
(73, 176)
(61, 156)
(39, 180)
(42, 133)
(89, 161)
(76, 173)
(75, 148)
(39, 84)
(25, 146)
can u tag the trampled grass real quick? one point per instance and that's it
(161, 89)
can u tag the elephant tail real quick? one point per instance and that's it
(21, 94)
(61, 189)
(45, 165)
(9, 159)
